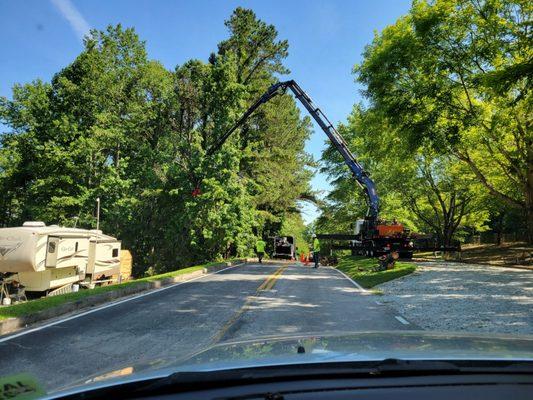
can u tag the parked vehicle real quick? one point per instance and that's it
(381, 238)
(284, 247)
(44, 258)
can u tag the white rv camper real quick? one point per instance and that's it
(43, 258)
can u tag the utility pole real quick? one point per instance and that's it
(97, 213)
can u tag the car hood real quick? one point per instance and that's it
(366, 346)
(361, 346)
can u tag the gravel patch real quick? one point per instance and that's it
(448, 296)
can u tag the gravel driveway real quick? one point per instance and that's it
(464, 297)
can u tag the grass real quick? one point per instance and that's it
(33, 306)
(360, 270)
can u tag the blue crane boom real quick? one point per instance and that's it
(361, 176)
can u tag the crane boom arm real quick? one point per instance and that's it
(362, 178)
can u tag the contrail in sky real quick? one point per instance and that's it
(80, 26)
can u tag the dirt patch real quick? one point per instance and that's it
(505, 254)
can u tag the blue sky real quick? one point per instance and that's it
(326, 39)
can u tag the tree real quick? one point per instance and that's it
(114, 124)
(293, 225)
(457, 73)
(272, 140)
(427, 191)
(70, 134)
(259, 55)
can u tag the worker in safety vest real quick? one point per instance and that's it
(316, 250)
(260, 249)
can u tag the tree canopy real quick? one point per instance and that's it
(116, 125)
(446, 131)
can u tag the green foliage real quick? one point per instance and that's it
(447, 131)
(426, 191)
(294, 226)
(455, 75)
(116, 125)
(361, 270)
(254, 44)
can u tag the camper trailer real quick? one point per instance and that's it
(44, 258)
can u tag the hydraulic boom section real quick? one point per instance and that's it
(366, 183)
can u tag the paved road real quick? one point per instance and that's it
(239, 303)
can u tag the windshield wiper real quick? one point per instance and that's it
(397, 365)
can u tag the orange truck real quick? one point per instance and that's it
(374, 240)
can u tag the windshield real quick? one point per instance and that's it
(182, 175)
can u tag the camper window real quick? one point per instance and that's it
(115, 253)
(51, 247)
(76, 247)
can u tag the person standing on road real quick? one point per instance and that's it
(316, 250)
(260, 249)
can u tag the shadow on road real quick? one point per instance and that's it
(169, 324)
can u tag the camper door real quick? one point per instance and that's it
(52, 249)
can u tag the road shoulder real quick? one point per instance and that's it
(459, 297)
(108, 298)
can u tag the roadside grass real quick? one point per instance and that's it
(360, 269)
(33, 306)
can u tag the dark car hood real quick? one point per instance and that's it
(361, 346)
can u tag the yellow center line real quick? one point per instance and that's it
(266, 285)
(273, 280)
(270, 278)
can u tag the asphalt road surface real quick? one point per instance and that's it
(244, 302)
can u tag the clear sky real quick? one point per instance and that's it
(326, 39)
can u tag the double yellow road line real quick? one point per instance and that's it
(266, 285)
(271, 281)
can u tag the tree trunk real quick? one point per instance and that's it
(448, 234)
(529, 192)
(499, 228)
(526, 205)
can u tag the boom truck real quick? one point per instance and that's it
(371, 237)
